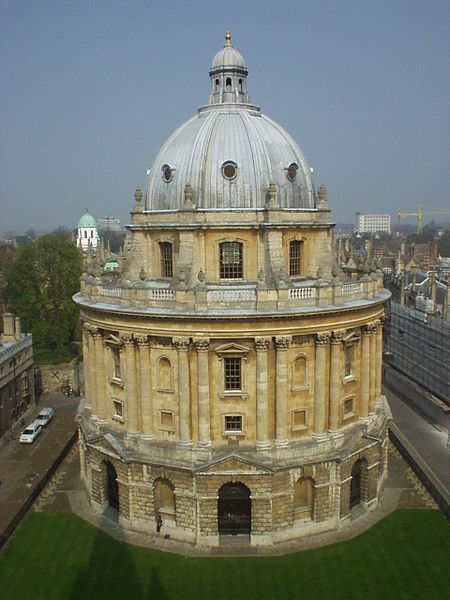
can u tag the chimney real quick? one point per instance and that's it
(18, 329)
(8, 328)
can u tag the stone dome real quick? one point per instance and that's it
(229, 153)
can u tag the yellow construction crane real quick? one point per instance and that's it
(419, 215)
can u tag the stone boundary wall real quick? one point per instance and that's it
(420, 468)
(9, 530)
(55, 378)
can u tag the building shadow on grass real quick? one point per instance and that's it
(109, 571)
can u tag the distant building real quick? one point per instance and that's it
(108, 224)
(16, 373)
(87, 232)
(373, 223)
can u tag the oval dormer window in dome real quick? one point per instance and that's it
(229, 169)
(292, 171)
(167, 173)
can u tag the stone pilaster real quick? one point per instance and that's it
(100, 376)
(92, 377)
(184, 400)
(204, 417)
(281, 417)
(262, 425)
(130, 384)
(335, 380)
(365, 373)
(373, 367)
(379, 362)
(86, 377)
(320, 391)
(145, 404)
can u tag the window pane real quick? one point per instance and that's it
(232, 373)
(166, 259)
(230, 260)
(233, 423)
(295, 258)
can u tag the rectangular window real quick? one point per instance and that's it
(116, 362)
(166, 420)
(166, 259)
(348, 361)
(299, 419)
(118, 408)
(232, 373)
(233, 423)
(295, 258)
(348, 407)
(231, 260)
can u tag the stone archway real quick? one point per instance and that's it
(234, 509)
(112, 487)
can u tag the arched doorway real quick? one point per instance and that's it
(234, 509)
(355, 484)
(112, 486)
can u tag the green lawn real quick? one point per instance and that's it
(407, 555)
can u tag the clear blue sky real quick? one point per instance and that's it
(89, 90)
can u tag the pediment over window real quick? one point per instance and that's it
(109, 445)
(232, 465)
(232, 349)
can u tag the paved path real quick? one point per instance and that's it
(427, 439)
(22, 466)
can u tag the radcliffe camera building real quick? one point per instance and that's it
(232, 370)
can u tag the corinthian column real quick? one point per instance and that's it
(204, 433)
(281, 345)
(335, 379)
(130, 384)
(92, 377)
(184, 401)
(86, 381)
(262, 425)
(365, 373)
(373, 367)
(145, 404)
(379, 362)
(100, 376)
(320, 391)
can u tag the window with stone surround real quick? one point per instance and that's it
(118, 410)
(165, 249)
(233, 382)
(165, 375)
(232, 366)
(164, 499)
(295, 258)
(231, 263)
(349, 407)
(166, 420)
(116, 362)
(303, 498)
(300, 368)
(299, 419)
(233, 424)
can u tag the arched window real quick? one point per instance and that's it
(165, 374)
(300, 373)
(240, 86)
(358, 482)
(217, 86)
(234, 509)
(166, 259)
(295, 258)
(85, 233)
(231, 260)
(112, 487)
(164, 499)
(228, 84)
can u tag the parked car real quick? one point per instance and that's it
(29, 434)
(45, 416)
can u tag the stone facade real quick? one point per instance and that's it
(232, 371)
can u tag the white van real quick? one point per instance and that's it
(31, 432)
(45, 416)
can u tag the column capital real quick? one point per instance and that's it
(282, 342)
(366, 329)
(202, 345)
(127, 339)
(181, 344)
(90, 329)
(262, 344)
(323, 338)
(142, 341)
(337, 336)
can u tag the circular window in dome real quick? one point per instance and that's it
(292, 171)
(229, 169)
(167, 173)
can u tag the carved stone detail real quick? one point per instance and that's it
(202, 345)
(182, 344)
(322, 339)
(262, 344)
(282, 343)
(337, 336)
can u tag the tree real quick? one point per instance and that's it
(40, 283)
(444, 245)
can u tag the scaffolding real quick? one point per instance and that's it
(418, 345)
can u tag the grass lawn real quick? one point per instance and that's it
(407, 555)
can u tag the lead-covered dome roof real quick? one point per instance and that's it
(229, 153)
